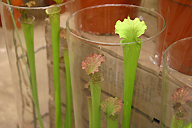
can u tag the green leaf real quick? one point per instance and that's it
(189, 125)
(58, 1)
(130, 30)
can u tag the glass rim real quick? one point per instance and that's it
(180, 3)
(36, 8)
(165, 64)
(114, 44)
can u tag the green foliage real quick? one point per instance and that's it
(58, 1)
(130, 30)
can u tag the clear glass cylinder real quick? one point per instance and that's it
(28, 34)
(177, 14)
(90, 31)
(177, 85)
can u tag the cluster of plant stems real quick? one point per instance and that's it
(131, 54)
(28, 31)
(93, 91)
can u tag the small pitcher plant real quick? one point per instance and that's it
(130, 30)
(54, 17)
(111, 107)
(91, 65)
(27, 27)
(181, 97)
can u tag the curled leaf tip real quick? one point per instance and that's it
(111, 106)
(53, 10)
(129, 29)
(182, 95)
(23, 12)
(87, 90)
(30, 3)
(91, 64)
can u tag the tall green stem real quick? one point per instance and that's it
(68, 113)
(96, 98)
(28, 30)
(176, 123)
(131, 55)
(54, 16)
(112, 123)
(90, 112)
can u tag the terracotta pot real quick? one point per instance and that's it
(90, 24)
(49, 2)
(7, 17)
(178, 15)
(16, 12)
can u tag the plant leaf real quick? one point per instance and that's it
(130, 30)
(111, 106)
(92, 63)
(182, 95)
(58, 1)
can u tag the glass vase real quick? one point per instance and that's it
(177, 85)
(89, 43)
(177, 14)
(34, 36)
